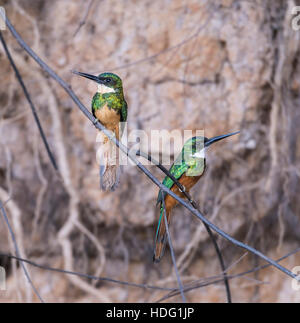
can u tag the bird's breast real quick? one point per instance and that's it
(110, 118)
(188, 181)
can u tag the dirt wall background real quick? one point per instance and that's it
(220, 66)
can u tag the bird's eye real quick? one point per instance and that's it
(108, 80)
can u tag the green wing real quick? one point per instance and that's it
(97, 103)
(124, 112)
(177, 171)
(123, 116)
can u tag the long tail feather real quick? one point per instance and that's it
(109, 170)
(109, 178)
(161, 236)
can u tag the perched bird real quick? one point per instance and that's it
(187, 168)
(110, 108)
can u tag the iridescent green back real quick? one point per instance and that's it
(113, 100)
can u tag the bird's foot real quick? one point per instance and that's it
(194, 204)
(182, 189)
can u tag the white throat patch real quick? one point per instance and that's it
(105, 89)
(200, 154)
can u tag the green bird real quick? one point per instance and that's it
(110, 108)
(187, 168)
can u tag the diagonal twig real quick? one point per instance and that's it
(215, 280)
(68, 272)
(83, 20)
(32, 107)
(18, 252)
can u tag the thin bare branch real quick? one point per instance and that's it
(105, 279)
(85, 16)
(18, 252)
(100, 127)
(28, 97)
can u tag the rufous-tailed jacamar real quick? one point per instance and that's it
(188, 167)
(110, 108)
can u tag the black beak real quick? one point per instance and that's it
(88, 76)
(215, 139)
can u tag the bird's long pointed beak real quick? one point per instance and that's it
(88, 76)
(217, 138)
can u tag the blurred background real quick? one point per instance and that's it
(215, 65)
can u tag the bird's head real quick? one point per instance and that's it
(107, 82)
(196, 146)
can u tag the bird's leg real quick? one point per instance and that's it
(194, 204)
(181, 188)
